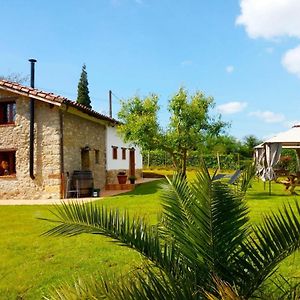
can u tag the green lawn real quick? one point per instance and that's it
(31, 264)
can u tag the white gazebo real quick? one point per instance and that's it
(268, 153)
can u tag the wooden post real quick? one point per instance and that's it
(218, 159)
(110, 103)
(298, 159)
(62, 186)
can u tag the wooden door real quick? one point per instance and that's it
(85, 160)
(132, 162)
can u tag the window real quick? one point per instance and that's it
(123, 153)
(97, 157)
(7, 112)
(7, 163)
(114, 152)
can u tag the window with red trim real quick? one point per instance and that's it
(7, 112)
(115, 152)
(7, 163)
(123, 153)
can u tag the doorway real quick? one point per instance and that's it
(85, 159)
(132, 162)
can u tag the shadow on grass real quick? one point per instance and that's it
(275, 196)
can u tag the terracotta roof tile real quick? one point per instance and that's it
(30, 92)
(26, 90)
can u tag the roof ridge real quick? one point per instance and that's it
(34, 92)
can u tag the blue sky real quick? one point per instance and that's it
(242, 53)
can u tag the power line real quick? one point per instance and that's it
(116, 96)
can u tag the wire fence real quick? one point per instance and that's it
(161, 159)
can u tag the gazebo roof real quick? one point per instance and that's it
(288, 139)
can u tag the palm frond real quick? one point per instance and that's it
(222, 290)
(77, 218)
(274, 240)
(222, 219)
(207, 220)
(247, 176)
(279, 288)
(149, 283)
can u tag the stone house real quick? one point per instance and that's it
(44, 138)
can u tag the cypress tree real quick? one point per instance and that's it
(83, 89)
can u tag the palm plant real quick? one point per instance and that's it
(203, 244)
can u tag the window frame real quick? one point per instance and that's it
(124, 153)
(7, 112)
(11, 153)
(114, 152)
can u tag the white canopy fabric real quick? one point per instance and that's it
(272, 156)
(267, 154)
(259, 158)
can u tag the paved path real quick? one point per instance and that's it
(104, 194)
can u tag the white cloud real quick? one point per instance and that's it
(268, 116)
(270, 18)
(231, 107)
(291, 61)
(229, 69)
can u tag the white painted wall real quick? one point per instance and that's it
(113, 139)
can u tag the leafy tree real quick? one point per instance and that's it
(16, 77)
(248, 145)
(189, 126)
(83, 89)
(204, 245)
(223, 144)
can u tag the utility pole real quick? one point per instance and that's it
(110, 103)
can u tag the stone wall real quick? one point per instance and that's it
(78, 134)
(47, 152)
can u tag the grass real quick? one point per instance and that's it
(31, 264)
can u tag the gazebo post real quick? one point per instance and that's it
(298, 158)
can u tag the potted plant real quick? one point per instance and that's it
(122, 177)
(132, 179)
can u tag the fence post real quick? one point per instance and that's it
(218, 159)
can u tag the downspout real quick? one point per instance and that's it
(31, 130)
(62, 167)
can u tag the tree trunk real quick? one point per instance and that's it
(184, 161)
(175, 164)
